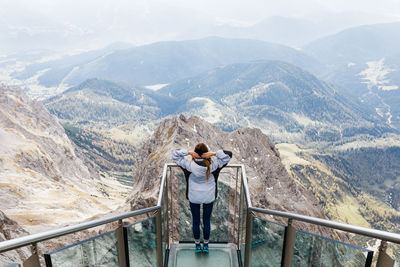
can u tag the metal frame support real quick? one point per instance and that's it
(168, 206)
(384, 260)
(288, 245)
(236, 208)
(33, 260)
(249, 230)
(121, 244)
(159, 239)
(242, 215)
(171, 206)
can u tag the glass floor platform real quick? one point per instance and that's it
(182, 255)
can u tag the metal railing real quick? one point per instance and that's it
(40, 237)
(34, 239)
(246, 223)
(383, 259)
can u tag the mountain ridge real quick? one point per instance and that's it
(345, 46)
(364, 64)
(279, 95)
(268, 180)
(271, 95)
(36, 151)
(157, 63)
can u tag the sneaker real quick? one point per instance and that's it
(198, 248)
(205, 248)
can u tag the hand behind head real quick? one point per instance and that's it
(195, 155)
(207, 155)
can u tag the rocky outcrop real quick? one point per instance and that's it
(42, 181)
(270, 184)
(10, 229)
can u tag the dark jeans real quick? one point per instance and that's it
(207, 210)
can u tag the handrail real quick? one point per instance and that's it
(379, 234)
(43, 236)
(163, 179)
(246, 187)
(35, 238)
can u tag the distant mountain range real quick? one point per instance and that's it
(285, 101)
(364, 63)
(158, 63)
(100, 102)
(357, 45)
(289, 31)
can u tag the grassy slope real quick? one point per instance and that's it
(354, 203)
(109, 154)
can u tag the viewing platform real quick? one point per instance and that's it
(241, 235)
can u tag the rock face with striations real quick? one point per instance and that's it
(42, 181)
(269, 183)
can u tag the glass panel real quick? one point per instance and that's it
(101, 250)
(220, 214)
(266, 243)
(221, 255)
(164, 219)
(314, 250)
(184, 216)
(142, 243)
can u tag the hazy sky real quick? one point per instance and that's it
(246, 11)
(144, 21)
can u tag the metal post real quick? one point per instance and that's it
(171, 206)
(33, 260)
(235, 206)
(240, 217)
(288, 245)
(159, 239)
(249, 229)
(167, 208)
(384, 260)
(121, 244)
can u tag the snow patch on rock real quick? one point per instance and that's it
(156, 87)
(375, 75)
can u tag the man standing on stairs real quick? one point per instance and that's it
(201, 176)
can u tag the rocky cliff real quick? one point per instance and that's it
(11, 229)
(42, 181)
(270, 184)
